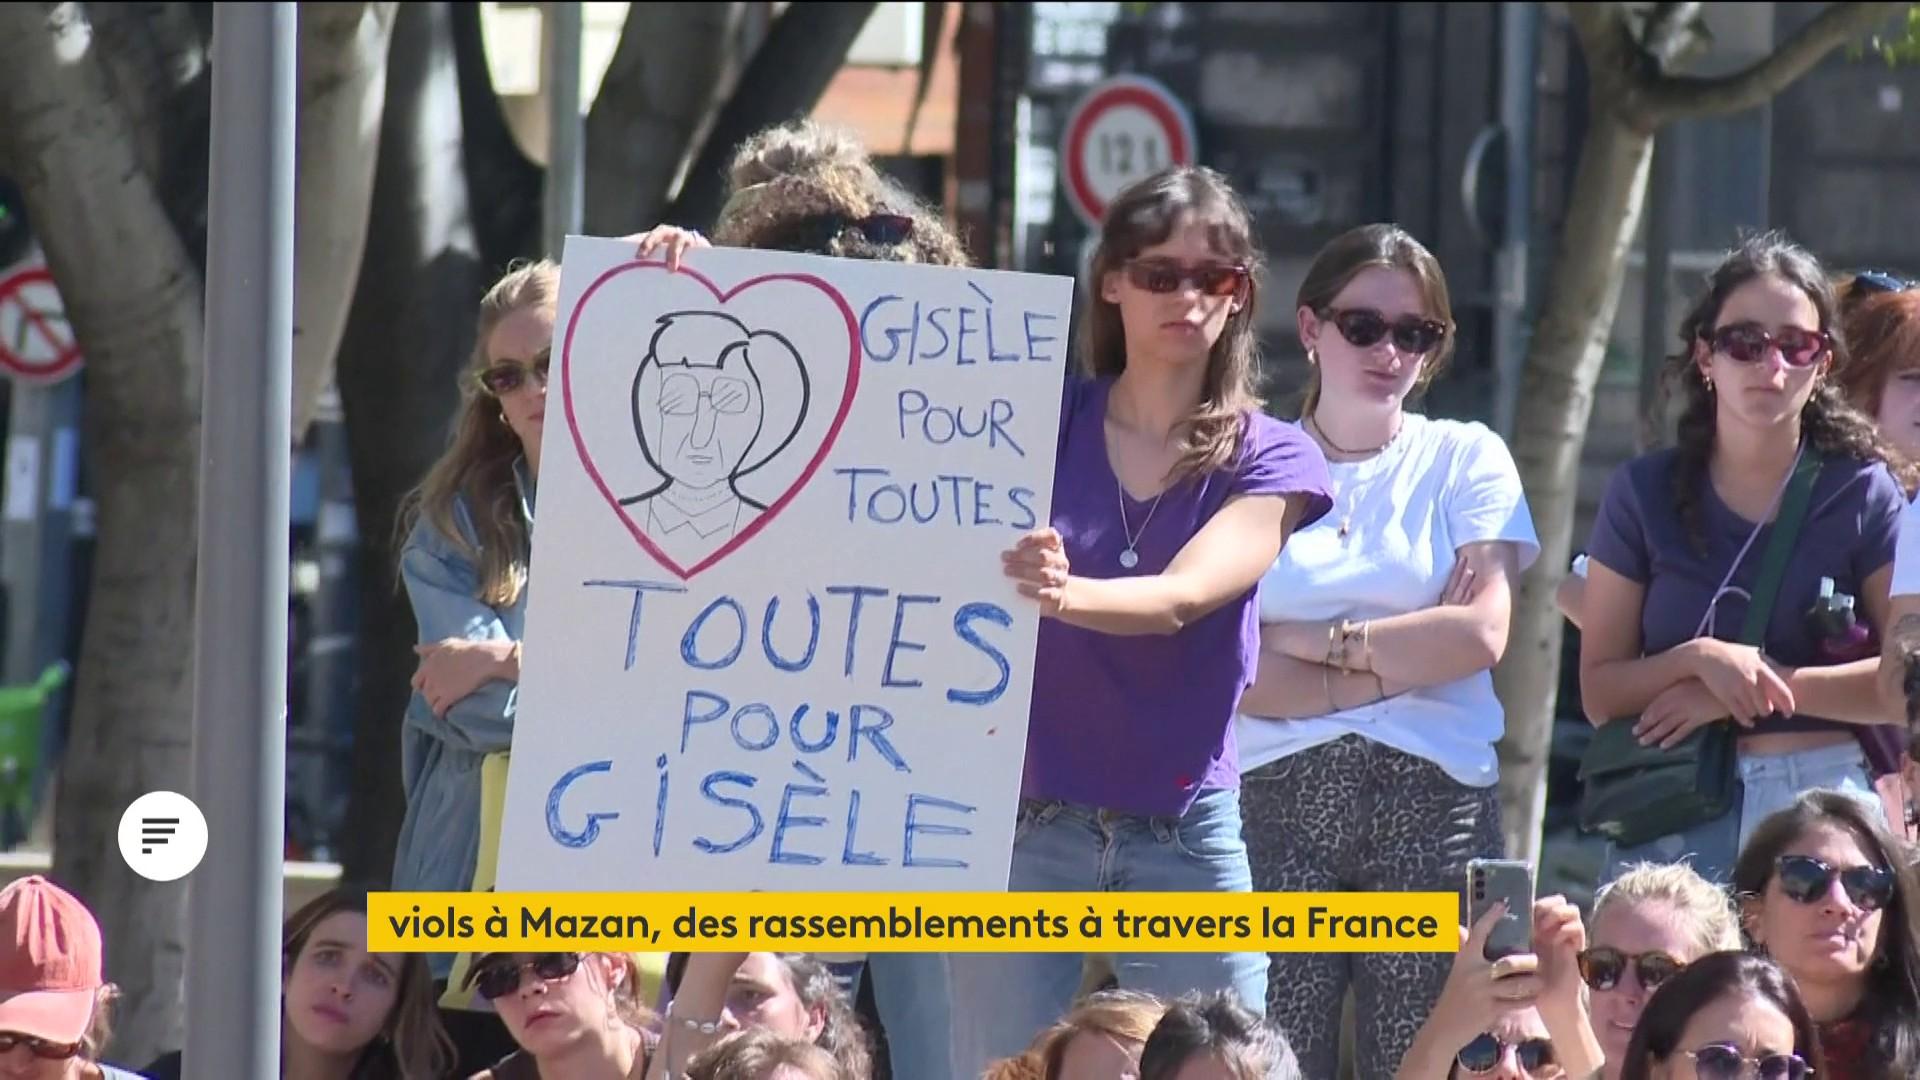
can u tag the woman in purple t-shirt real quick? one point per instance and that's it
(1172, 494)
(1680, 535)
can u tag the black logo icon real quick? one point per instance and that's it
(154, 832)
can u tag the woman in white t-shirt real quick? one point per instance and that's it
(1367, 740)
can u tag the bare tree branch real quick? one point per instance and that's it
(671, 73)
(789, 72)
(506, 187)
(1665, 98)
(1670, 33)
(343, 85)
(1612, 53)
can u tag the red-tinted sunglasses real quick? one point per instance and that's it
(504, 378)
(1748, 344)
(1168, 276)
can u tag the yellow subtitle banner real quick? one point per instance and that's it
(913, 922)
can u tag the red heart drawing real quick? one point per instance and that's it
(748, 531)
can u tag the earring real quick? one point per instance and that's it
(503, 418)
(1708, 379)
(1313, 356)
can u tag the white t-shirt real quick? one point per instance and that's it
(1441, 485)
(1906, 553)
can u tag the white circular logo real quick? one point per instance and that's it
(163, 836)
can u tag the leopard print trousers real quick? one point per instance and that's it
(1354, 815)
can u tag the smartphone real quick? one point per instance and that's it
(1492, 881)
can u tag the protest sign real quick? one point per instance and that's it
(769, 642)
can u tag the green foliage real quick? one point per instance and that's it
(1901, 46)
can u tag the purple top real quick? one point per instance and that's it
(1144, 724)
(1852, 521)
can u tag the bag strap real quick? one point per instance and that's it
(1786, 533)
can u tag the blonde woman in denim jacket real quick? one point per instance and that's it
(468, 532)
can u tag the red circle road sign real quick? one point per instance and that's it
(1126, 128)
(36, 341)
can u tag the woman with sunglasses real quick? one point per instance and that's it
(1728, 1016)
(346, 1013)
(468, 532)
(1368, 739)
(1680, 534)
(1831, 896)
(1648, 924)
(55, 1001)
(1517, 1017)
(1172, 494)
(578, 1016)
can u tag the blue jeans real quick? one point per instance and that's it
(1771, 783)
(1004, 999)
(910, 990)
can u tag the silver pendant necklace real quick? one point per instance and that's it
(1130, 558)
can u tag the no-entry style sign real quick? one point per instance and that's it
(36, 341)
(1124, 129)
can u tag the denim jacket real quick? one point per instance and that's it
(440, 756)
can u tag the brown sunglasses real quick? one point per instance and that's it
(504, 378)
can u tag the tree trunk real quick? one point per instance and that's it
(1562, 367)
(670, 75)
(407, 339)
(343, 73)
(138, 319)
(790, 70)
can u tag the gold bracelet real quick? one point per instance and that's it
(1366, 644)
(1346, 639)
(1379, 684)
(1333, 639)
(1326, 679)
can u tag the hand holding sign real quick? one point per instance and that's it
(771, 650)
(1039, 564)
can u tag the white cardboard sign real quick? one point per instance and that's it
(769, 644)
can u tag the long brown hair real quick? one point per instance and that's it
(412, 1044)
(1883, 338)
(1891, 1003)
(1828, 422)
(1383, 246)
(1145, 214)
(477, 468)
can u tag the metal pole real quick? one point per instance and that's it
(1655, 330)
(24, 526)
(240, 633)
(565, 130)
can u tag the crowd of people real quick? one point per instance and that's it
(1290, 674)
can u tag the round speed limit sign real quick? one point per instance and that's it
(1124, 129)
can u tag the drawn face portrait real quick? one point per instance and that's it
(700, 411)
(709, 418)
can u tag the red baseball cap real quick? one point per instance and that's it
(50, 969)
